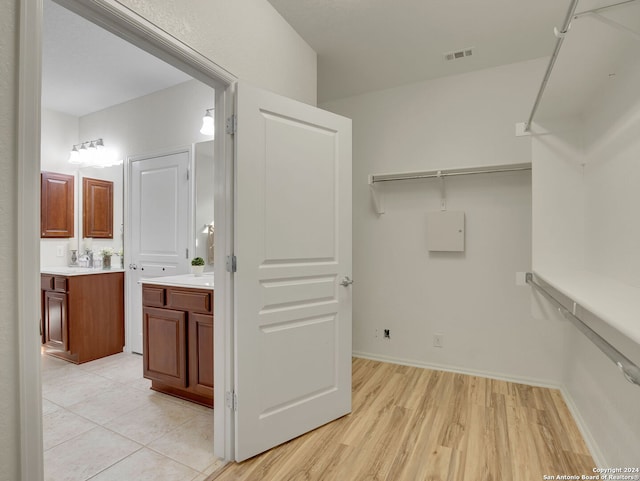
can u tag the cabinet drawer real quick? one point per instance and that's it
(189, 300)
(46, 283)
(152, 296)
(60, 284)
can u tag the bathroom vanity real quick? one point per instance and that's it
(178, 336)
(82, 313)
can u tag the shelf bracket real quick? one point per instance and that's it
(376, 197)
(616, 25)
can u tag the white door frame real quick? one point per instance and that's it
(135, 29)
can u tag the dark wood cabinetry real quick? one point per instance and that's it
(97, 208)
(83, 316)
(56, 205)
(178, 341)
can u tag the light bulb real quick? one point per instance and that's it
(84, 153)
(74, 156)
(208, 127)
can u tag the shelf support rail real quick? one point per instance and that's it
(630, 371)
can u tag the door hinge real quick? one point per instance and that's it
(232, 264)
(231, 400)
(188, 170)
(232, 124)
(186, 253)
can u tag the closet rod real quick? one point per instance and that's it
(629, 370)
(552, 61)
(434, 174)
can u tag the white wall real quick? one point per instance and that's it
(593, 211)
(612, 178)
(471, 298)
(9, 407)
(168, 119)
(249, 38)
(59, 133)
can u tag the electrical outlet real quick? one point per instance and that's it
(387, 334)
(60, 251)
(438, 340)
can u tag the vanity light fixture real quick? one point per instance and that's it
(208, 126)
(92, 153)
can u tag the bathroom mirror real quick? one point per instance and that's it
(203, 189)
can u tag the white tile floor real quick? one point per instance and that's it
(101, 422)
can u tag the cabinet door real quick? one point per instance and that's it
(56, 205)
(55, 332)
(201, 353)
(97, 208)
(164, 353)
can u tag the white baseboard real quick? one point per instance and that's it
(590, 441)
(456, 369)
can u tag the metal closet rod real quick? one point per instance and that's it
(571, 15)
(435, 174)
(552, 62)
(629, 370)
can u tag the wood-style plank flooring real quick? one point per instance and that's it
(412, 424)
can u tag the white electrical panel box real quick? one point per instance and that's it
(445, 231)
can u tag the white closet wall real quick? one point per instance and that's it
(471, 298)
(586, 232)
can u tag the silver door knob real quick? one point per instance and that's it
(346, 281)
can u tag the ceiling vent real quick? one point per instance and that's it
(458, 54)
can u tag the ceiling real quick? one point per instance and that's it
(367, 45)
(362, 46)
(86, 69)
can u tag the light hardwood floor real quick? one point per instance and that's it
(412, 424)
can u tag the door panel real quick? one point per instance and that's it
(293, 244)
(55, 320)
(165, 338)
(201, 353)
(159, 192)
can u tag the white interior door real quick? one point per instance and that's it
(292, 316)
(159, 228)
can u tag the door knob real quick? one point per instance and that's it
(346, 281)
(133, 267)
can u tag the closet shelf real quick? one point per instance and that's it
(616, 303)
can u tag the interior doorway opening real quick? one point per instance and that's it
(136, 31)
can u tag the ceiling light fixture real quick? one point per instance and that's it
(92, 153)
(208, 126)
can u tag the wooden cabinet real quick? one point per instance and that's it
(54, 332)
(83, 316)
(56, 205)
(178, 341)
(97, 208)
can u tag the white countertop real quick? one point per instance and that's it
(77, 271)
(204, 281)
